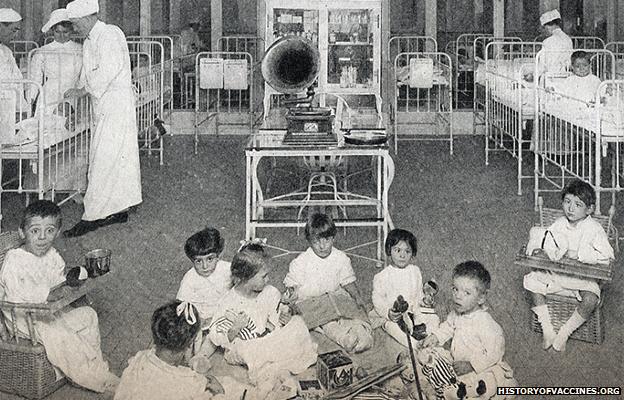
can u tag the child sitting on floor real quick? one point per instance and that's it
(159, 373)
(247, 324)
(401, 278)
(324, 269)
(586, 242)
(477, 341)
(582, 84)
(204, 285)
(71, 338)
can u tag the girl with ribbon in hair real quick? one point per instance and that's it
(160, 372)
(248, 326)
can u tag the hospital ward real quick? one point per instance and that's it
(311, 199)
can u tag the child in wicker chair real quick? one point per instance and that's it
(587, 242)
(71, 338)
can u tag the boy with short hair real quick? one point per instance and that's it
(204, 285)
(588, 243)
(324, 269)
(477, 340)
(71, 338)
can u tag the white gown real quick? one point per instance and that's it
(114, 178)
(57, 66)
(10, 70)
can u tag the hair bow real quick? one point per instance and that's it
(186, 308)
(260, 241)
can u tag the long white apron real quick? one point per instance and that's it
(114, 177)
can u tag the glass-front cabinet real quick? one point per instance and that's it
(348, 35)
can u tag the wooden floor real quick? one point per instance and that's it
(458, 208)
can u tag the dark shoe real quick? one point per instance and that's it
(119, 218)
(81, 228)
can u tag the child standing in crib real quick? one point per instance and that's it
(324, 269)
(159, 373)
(582, 84)
(204, 285)
(477, 340)
(248, 325)
(586, 242)
(402, 278)
(71, 338)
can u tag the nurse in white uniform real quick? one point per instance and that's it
(114, 177)
(10, 22)
(56, 65)
(557, 46)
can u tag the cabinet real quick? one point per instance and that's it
(347, 33)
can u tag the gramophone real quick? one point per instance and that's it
(290, 66)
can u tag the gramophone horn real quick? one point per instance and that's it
(291, 64)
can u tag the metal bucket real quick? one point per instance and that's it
(97, 262)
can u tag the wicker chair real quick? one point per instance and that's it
(562, 307)
(24, 367)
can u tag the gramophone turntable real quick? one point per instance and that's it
(291, 65)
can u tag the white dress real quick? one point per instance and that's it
(313, 276)
(264, 352)
(114, 177)
(557, 50)
(206, 292)
(57, 67)
(387, 286)
(10, 70)
(72, 338)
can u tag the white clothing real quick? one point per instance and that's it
(72, 338)
(557, 50)
(10, 70)
(82, 8)
(261, 310)
(579, 87)
(147, 377)
(114, 177)
(284, 348)
(476, 338)
(392, 282)
(587, 240)
(57, 67)
(206, 292)
(313, 276)
(9, 15)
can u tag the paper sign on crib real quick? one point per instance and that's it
(7, 116)
(211, 73)
(421, 73)
(235, 74)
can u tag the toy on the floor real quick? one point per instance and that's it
(426, 306)
(437, 367)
